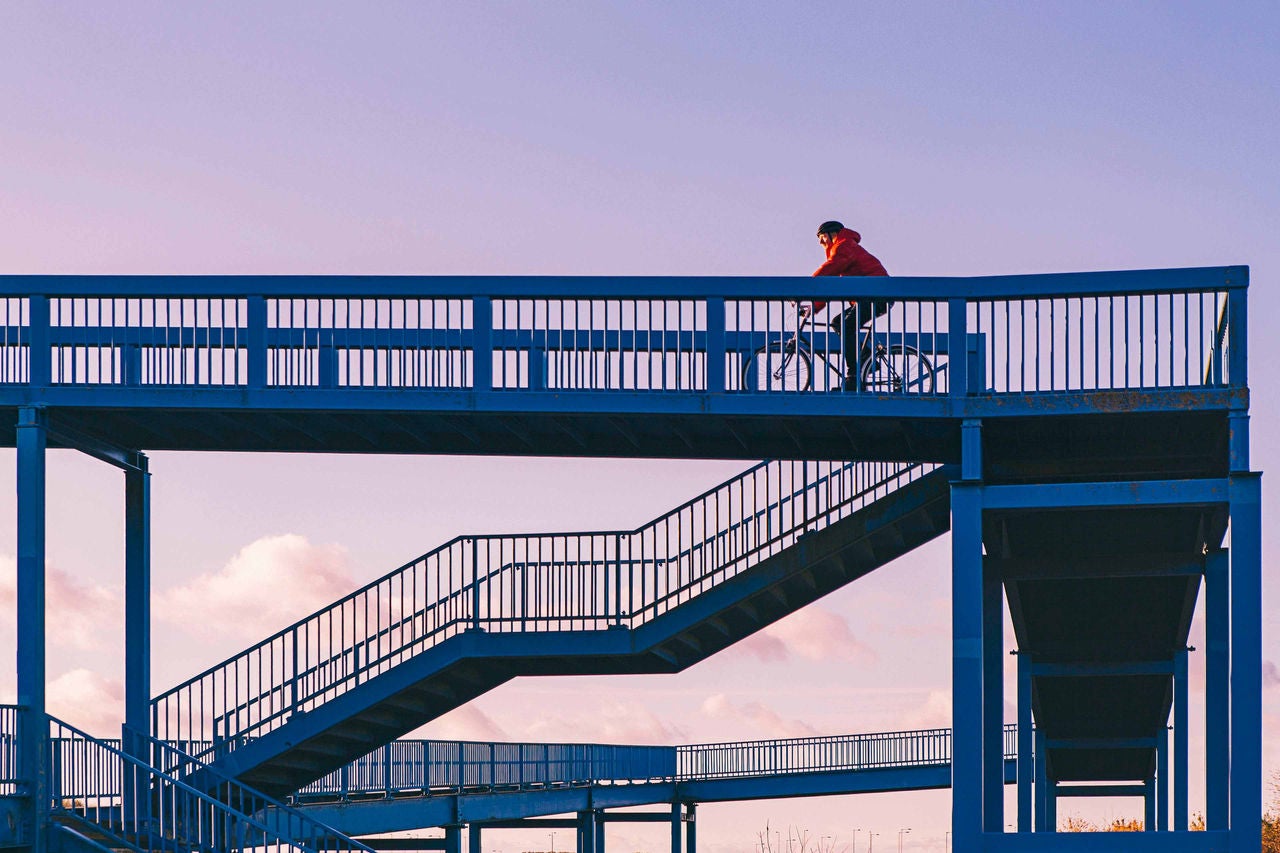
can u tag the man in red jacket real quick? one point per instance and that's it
(845, 256)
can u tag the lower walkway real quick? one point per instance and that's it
(415, 784)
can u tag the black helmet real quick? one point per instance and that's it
(830, 227)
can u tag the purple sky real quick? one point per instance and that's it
(601, 138)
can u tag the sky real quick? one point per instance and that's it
(596, 139)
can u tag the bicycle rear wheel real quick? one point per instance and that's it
(778, 366)
(899, 369)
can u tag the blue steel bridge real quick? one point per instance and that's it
(1083, 437)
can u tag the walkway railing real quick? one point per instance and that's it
(522, 583)
(10, 757)
(424, 767)
(129, 800)
(1039, 333)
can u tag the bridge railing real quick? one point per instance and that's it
(1079, 332)
(521, 583)
(424, 767)
(10, 743)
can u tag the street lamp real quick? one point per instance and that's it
(854, 848)
(902, 832)
(871, 843)
(946, 841)
(830, 848)
(553, 842)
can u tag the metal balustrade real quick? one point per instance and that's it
(1082, 332)
(10, 741)
(130, 801)
(426, 767)
(521, 583)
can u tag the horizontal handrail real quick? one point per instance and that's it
(130, 799)
(535, 582)
(430, 766)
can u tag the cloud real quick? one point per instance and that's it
(88, 701)
(1270, 674)
(465, 723)
(760, 718)
(77, 614)
(271, 583)
(608, 721)
(814, 633)
(935, 713)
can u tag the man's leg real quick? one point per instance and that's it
(856, 347)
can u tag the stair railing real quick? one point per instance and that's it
(520, 583)
(130, 801)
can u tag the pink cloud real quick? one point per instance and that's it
(603, 721)
(465, 723)
(757, 716)
(814, 633)
(1270, 674)
(934, 713)
(269, 584)
(88, 701)
(77, 614)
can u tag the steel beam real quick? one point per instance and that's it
(1246, 661)
(967, 688)
(32, 439)
(1057, 567)
(992, 703)
(1101, 790)
(1091, 669)
(1103, 743)
(1026, 760)
(1217, 703)
(1180, 715)
(1144, 493)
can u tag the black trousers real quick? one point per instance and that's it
(855, 345)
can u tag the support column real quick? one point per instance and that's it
(1246, 661)
(473, 838)
(1026, 769)
(675, 828)
(966, 645)
(1162, 788)
(691, 828)
(1042, 784)
(992, 701)
(1149, 806)
(453, 839)
(32, 440)
(586, 832)
(1217, 665)
(598, 817)
(1051, 807)
(1180, 816)
(137, 601)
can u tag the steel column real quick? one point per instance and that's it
(1246, 661)
(1149, 805)
(598, 817)
(1026, 769)
(32, 439)
(1051, 807)
(675, 827)
(691, 828)
(1217, 705)
(992, 702)
(453, 839)
(1180, 741)
(966, 645)
(586, 832)
(473, 838)
(1162, 787)
(137, 601)
(1042, 784)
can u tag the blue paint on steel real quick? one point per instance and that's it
(1101, 790)
(1246, 660)
(1042, 784)
(1161, 789)
(1217, 718)
(1149, 806)
(993, 753)
(1180, 739)
(34, 732)
(1026, 749)
(1151, 493)
(966, 666)
(137, 604)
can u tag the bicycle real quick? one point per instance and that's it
(787, 365)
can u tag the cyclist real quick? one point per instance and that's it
(845, 256)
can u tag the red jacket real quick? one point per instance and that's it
(846, 257)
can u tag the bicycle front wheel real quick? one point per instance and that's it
(899, 369)
(778, 366)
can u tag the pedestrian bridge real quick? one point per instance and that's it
(1084, 438)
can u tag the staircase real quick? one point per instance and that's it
(480, 610)
(104, 799)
